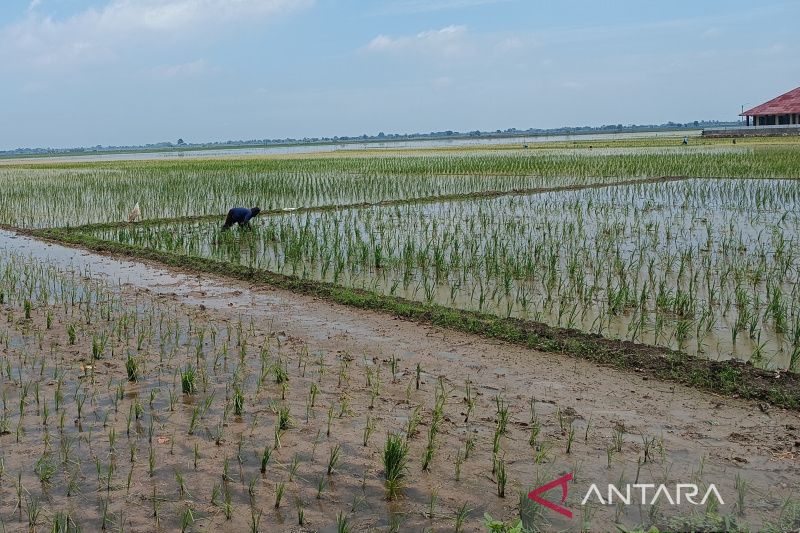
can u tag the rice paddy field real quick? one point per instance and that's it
(403, 340)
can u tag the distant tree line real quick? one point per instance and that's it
(381, 136)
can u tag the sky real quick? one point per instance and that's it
(128, 72)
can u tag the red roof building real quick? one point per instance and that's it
(780, 111)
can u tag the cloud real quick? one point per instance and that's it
(34, 4)
(423, 6)
(97, 34)
(448, 41)
(182, 70)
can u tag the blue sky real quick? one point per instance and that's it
(114, 72)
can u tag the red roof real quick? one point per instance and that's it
(782, 105)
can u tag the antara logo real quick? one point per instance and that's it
(637, 493)
(562, 482)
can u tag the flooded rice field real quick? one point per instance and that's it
(138, 396)
(141, 399)
(704, 266)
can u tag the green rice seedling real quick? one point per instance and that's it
(617, 437)
(300, 512)
(285, 420)
(459, 460)
(193, 421)
(395, 464)
(502, 478)
(417, 374)
(251, 488)
(227, 505)
(413, 422)
(469, 445)
(586, 432)
(279, 371)
(469, 398)
(330, 418)
(369, 427)
(265, 456)
(570, 437)
(342, 525)
(255, 520)
(182, 491)
(432, 501)
(462, 514)
(321, 484)
(187, 519)
(64, 523)
(741, 492)
(502, 414)
(151, 461)
(344, 405)
(132, 367)
(280, 488)
(647, 446)
(226, 470)
(610, 449)
(333, 458)
(45, 468)
(238, 401)
(294, 466)
(80, 399)
(188, 378)
(541, 453)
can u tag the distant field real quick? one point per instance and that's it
(70, 194)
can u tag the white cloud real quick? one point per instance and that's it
(96, 34)
(34, 4)
(422, 6)
(182, 70)
(448, 41)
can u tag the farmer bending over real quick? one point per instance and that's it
(241, 216)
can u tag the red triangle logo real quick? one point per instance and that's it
(563, 481)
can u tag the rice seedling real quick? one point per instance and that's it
(255, 520)
(64, 523)
(369, 427)
(333, 458)
(462, 514)
(132, 368)
(342, 524)
(285, 420)
(293, 466)
(432, 501)
(188, 378)
(280, 488)
(265, 456)
(187, 519)
(238, 401)
(395, 464)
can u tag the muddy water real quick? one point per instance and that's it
(699, 437)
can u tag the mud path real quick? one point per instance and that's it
(700, 436)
